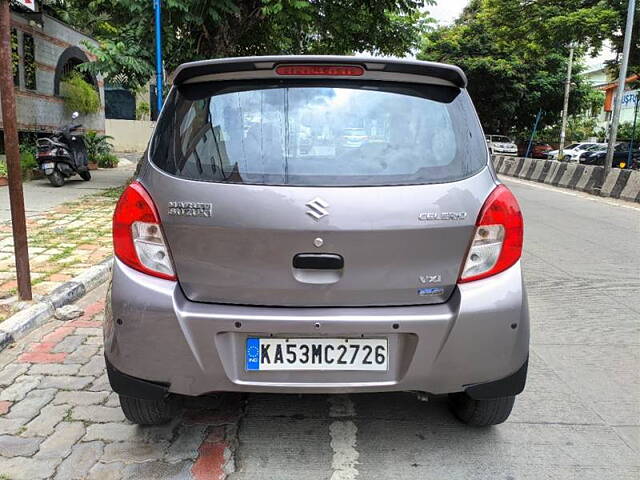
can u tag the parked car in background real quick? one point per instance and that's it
(620, 157)
(501, 145)
(538, 149)
(574, 155)
(572, 152)
(600, 147)
(244, 265)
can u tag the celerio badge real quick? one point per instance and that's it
(433, 216)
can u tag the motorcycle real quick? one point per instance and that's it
(63, 155)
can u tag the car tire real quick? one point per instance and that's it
(85, 175)
(148, 412)
(56, 179)
(481, 413)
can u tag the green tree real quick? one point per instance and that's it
(616, 37)
(626, 129)
(578, 130)
(199, 29)
(515, 55)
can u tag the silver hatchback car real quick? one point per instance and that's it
(264, 248)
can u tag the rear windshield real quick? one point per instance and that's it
(321, 134)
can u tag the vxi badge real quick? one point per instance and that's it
(432, 216)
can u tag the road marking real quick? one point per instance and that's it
(343, 438)
(571, 193)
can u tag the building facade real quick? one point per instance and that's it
(600, 79)
(44, 50)
(630, 99)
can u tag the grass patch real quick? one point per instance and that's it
(66, 252)
(113, 192)
(37, 281)
(67, 417)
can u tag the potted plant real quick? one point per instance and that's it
(3, 174)
(108, 160)
(28, 163)
(97, 146)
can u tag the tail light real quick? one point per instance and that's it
(497, 242)
(324, 70)
(137, 235)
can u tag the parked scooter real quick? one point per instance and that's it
(63, 155)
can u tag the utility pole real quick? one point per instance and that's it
(533, 132)
(633, 130)
(565, 108)
(617, 106)
(10, 126)
(157, 5)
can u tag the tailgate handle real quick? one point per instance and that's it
(318, 261)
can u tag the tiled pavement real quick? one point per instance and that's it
(59, 418)
(62, 243)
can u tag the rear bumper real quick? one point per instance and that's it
(154, 335)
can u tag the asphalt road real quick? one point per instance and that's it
(579, 417)
(40, 196)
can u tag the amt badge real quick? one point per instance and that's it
(253, 354)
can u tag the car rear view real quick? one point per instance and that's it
(317, 225)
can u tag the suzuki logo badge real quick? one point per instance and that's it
(317, 208)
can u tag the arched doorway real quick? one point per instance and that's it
(70, 58)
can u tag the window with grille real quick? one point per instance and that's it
(15, 57)
(29, 60)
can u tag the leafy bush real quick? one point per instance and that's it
(107, 160)
(79, 95)
(27, 164)
(28, 146)
(97, 145)
(625, 131)
(579, 129)
(143, 111)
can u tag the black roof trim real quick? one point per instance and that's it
(450, 73)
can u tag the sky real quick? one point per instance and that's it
(447, 10)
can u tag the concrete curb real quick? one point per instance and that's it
(21, 323)
(622, 184)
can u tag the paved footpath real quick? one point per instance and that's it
(69, 230)
(579, 418)
(41, 197)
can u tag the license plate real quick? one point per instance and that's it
(317, 354)
(47, 166)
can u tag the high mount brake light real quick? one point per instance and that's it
(137, 234)
(497, 241)
(321, 70)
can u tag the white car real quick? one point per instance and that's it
(572, 152)
(501, 145)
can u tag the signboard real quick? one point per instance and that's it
(629, 98)
(30, 4)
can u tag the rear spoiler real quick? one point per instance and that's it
(373, 69)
